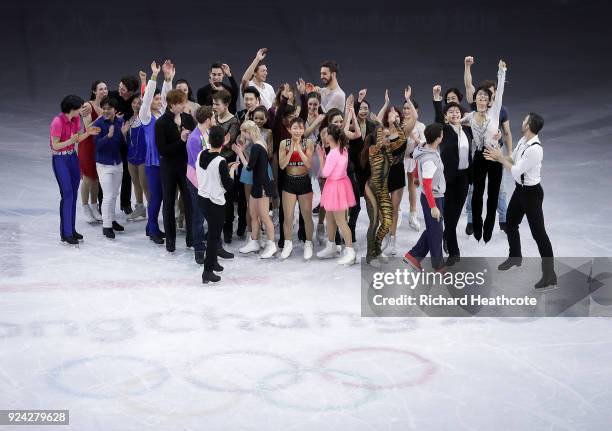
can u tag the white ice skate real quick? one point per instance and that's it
(391, 246)
(88, 214)
(385, 242)
(139, 212)
(251, 246)
(269, 250)
(308, 250)
(287, 249)
(328, 252)
(349, 257)
(95, 212)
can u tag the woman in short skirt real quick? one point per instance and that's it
(337, 195)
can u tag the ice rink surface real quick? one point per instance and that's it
(125, 336)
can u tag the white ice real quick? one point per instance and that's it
(125, 335)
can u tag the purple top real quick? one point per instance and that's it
(196, 142)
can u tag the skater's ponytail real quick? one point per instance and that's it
(338, 135)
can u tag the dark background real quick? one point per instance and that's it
(556, 50)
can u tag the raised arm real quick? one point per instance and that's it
(304, 109)
(408, 125)
(467, 79)
(351, 119)
(145, 109)
(499, 93)
(248, 74)
(395, 126)
(507, 133)
(169, 72)
(437, 103)
(280, 113)
(234, 90)
(360, 98)
(143, 81)
(301, 86)
(381, 113)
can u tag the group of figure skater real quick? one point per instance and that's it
(206, 160)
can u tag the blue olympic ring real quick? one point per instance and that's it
(56, 374)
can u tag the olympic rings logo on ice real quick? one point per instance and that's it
(337, 380)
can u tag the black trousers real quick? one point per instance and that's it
(126, 180)
(215, 216)
(454, 199)
(527, 200)
(482, 169)
(174, 173)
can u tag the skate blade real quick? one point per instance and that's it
(548, 288)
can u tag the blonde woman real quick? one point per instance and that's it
(261, 190)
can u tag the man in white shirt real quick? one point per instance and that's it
(256, 75)
(332, 96)
(525, 165)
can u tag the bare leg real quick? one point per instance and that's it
(345, 230)
(261, 207)
(331, 226)
(135, 182)
(143, 181)
(289, 200)
(374, 214)
(412, 192)
(253, 207)
(93, 193)
(396, 200)
(85, 189)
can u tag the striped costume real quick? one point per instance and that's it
(378, 200)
